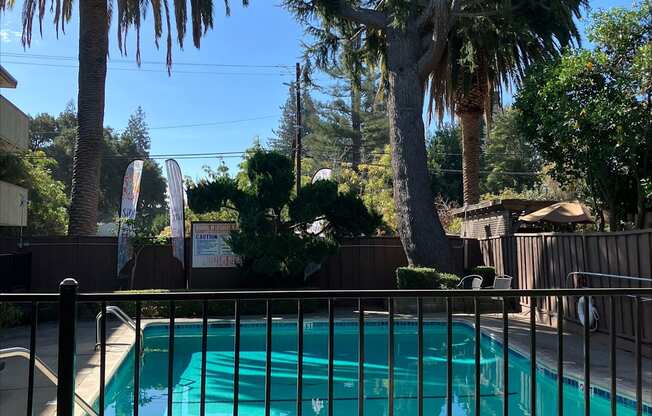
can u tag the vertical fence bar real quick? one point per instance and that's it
(533, 355)
(331, 352)
(560, 356)
(236, 358)
(505, 358)
(102, 358)
(360, 357)
(299, 357)
(390, 353)
(67, 348)
(420, 355)
(204, 345)
(639, 341)
(268, 358)
(612, 353)
(137, 361)
(587, 356)
(171, 357)
(32, 357)
(449, 357)
(476, 312)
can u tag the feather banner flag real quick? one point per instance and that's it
(128, 207)
(177, 223)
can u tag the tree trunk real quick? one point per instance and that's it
(93, 50)
(422, 235)
(356, 124)
(471, 130)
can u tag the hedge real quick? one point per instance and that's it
(424, 278)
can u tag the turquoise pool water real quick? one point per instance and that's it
(219, 390)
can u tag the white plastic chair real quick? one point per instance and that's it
(476, 282)
(503, 282)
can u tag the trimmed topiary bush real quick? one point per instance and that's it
(449, 280)
(488, 274)
(417, 278)
(275, 238)
(424, 278)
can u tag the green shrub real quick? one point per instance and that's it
(417, 278)
(449, 280)
(424, 278)
(273, 238)
(488, 274)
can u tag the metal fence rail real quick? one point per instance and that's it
(68, 298)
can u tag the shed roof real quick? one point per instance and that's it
(496, 205)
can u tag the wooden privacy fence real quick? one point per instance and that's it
(371, 263)
(544, 260)
(92, 262)
(365, 263)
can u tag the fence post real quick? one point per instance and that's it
(67, 347)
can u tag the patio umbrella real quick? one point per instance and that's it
(560, 213)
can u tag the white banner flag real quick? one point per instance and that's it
(323, 174)
(175, 192)
(128, 206)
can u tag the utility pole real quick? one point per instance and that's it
(297, 140)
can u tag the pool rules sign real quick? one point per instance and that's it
(210, 248)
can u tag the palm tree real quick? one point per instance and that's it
(488, 51)
(94, 21)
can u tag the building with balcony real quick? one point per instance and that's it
(14, 137)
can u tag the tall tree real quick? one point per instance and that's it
(488, 48)
(284, 136)
(137, 131)
(444, 163)
(409, 40)
(118, 150)
(47, 201)
(346, 131)
(510, 158)
(349, 67)
(94, 21)
(42, 129)
(589, 114)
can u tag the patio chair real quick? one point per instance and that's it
(475, 282)
(502, 282)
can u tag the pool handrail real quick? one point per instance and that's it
(118, 313)
(21, 352)
(595, 275)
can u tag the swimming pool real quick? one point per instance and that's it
(220, 358)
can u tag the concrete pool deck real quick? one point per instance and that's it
(13, 379)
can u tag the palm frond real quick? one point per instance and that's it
(493, 43)
(130, 13)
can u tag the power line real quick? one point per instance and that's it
(113, 68)
(179, 126)
(240, 154)
(456, 171)
(213, 123)
(208, 64)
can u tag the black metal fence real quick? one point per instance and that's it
(68, 298)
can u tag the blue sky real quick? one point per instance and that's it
(196, 93)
